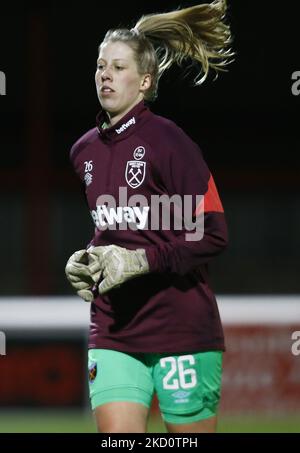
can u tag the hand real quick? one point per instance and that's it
(78, 274)
(116, 264)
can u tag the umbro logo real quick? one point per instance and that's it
(180, 395)
(88, 167)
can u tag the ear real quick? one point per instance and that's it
(145, 82)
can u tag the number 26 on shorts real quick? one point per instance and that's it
(187, 377)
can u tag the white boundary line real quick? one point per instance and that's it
(71, 313)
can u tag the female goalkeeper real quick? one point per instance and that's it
(155, 325)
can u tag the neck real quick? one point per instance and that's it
(114, 118)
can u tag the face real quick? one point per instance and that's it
(119, 85)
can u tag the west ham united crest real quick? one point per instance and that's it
(92, 372)
(135, 173)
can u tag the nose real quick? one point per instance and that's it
(106, 74)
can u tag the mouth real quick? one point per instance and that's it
(106, 90)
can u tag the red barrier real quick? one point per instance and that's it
(260, 372)
(43, 374)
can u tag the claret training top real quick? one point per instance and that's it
(125, 169)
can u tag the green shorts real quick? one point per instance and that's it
(187, 385)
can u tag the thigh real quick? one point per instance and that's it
(121, 390)
(121, 417)
(208, 425)
(188, 388)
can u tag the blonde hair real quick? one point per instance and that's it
(198, 33)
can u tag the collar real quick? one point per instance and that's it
(126, 126)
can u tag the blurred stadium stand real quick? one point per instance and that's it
(246, 123)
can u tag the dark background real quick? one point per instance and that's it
(246, 122)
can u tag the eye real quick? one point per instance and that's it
(100, 66)
(119, 68)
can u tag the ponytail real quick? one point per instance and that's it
(197, 33)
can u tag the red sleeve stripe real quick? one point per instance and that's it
(212, 202)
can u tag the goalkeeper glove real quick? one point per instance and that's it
(78, 274)
(117, 265)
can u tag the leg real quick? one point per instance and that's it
(121, 417)
(121, 390)
(208, 425)
(188, 390)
